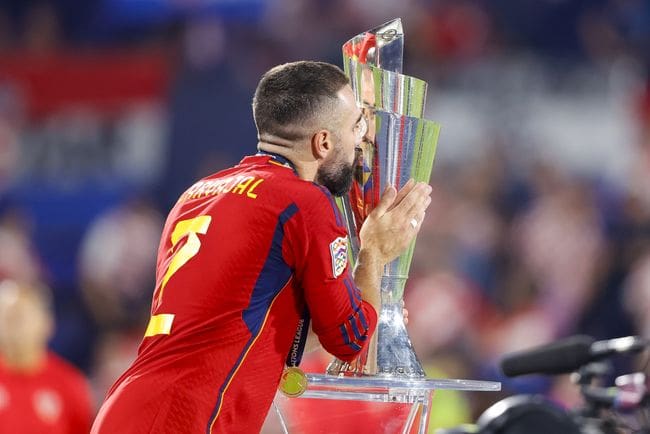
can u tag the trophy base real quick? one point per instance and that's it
(383, 404)
(390, 353)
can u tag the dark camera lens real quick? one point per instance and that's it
(526, 415)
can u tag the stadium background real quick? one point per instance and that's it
(540, 226)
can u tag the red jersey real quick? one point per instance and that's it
(54, 399)
(244, 253)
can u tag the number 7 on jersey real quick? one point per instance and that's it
(162, 323)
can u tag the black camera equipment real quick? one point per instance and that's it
(621, 408)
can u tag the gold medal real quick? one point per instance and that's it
(293, 382)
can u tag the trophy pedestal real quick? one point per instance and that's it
(373, 404)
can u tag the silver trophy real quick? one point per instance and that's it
(399, 145)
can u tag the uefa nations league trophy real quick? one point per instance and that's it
(399, 145)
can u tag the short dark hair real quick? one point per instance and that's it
(291, 95)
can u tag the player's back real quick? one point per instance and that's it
(224, 274)
(213, 248)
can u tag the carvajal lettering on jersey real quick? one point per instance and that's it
(339, 251)
(243, 185)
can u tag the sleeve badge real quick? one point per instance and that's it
(339, 251)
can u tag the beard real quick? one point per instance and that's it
(336, 177)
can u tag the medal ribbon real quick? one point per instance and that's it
(299, 340)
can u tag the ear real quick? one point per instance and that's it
(321, 144)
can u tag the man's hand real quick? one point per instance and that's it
(392, 225)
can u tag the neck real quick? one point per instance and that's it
(24, 360)
(304, 163)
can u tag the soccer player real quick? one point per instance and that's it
(250, 255)
(39, 392)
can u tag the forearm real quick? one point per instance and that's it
(367, 277)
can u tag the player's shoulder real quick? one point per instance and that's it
(316, 202)
(303, 192)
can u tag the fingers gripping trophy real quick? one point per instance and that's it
(399, 145)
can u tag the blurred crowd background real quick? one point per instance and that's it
(540, 226)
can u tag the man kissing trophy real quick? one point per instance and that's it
(399, 145)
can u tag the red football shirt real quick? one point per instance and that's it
(243, 252)
(54, 399)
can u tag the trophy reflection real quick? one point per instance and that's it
(399, 145)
